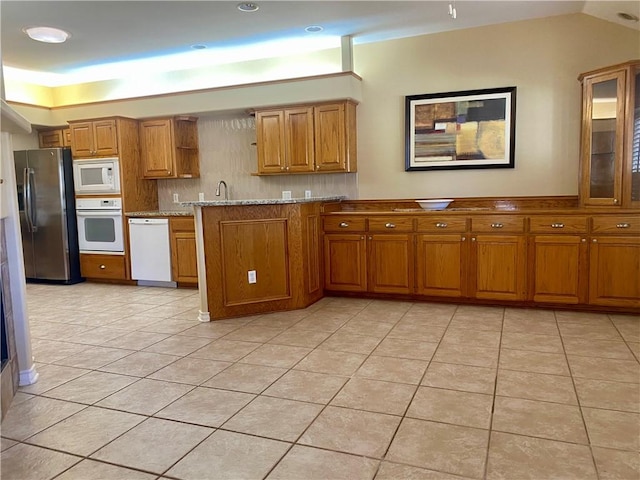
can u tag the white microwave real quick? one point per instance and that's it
(101, 176)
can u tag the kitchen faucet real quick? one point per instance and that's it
(226, 189)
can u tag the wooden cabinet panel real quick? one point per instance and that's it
(558, 224)
(184, 265)
(156, 147)
(330, 137)
(94, 138)
(390, 224)
(498, 265)
(111, 267)
(614, 263)
(54, 138)
(169, 148)
(498, 224)
(390, 263)
(441, 265)
(299, 140)
(560, 272)
(259, 246)
(442, 224)
(618, 224)
(271, 141)
(344, 224)
(345, 262)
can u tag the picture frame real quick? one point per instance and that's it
(460, 130)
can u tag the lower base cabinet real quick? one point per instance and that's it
(440, 265)
(103, 267)
(390, 263)
(345, 262)
(614, 267)
(498, 267)
(559, 273)
(184, 266)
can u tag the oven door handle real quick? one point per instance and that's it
(99, 213)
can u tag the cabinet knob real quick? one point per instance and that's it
(557, 225)
(595, 240)
(370, 238)
(464, 238)
(343, 225)
(441, 225)
(317, 167)
(583, 240)
(623, 225)
(102, 267)
(362, 238)
(497, 225)
(287, 169)
(615, 201)
(473, 239)
(282, 168)
(389, 225)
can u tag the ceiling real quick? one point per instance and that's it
(104, 32)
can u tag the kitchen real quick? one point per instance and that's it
(544, 58)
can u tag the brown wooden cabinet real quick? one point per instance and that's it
(441, 262)
(345, 257)
(307, 138)
(54, 138)
(169, 148)
(94, 138)
(614, 261)
(184, 265)
(610, 160)
(285, 139)
(103, 267)
(558, 268)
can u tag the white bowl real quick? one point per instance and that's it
(435, 204)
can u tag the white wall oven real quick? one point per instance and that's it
(96, 176)
(100, 228)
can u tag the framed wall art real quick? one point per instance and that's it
(460, 130)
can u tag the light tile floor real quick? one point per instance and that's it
(133, 387)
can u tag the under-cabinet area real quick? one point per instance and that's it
(561, 256)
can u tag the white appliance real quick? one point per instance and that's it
(150, 251)
(96, 176)
(100, 228)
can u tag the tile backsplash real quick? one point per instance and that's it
(228, 152)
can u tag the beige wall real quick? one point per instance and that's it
(542, 58)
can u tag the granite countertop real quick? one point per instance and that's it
(160, 213)
(267, 201)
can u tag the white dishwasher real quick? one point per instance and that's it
(150, 251)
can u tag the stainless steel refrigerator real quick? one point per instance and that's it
(46, 204)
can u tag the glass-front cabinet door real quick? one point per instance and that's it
(610, 163)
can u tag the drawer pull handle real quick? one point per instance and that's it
(497, 225)
(102, 267)
(557, 225)
(441, 225)
(343, 225)
(390, 225)
(623, 225)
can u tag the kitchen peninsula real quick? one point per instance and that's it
(257, 256)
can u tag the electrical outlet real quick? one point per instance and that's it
(176, 198)
(251, 276)
(201, 197)
(307, 194)
(286, 194)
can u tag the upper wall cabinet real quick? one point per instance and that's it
(54, 138)
(169, 147)
(319, 138)
(610, 146)
(94, 138)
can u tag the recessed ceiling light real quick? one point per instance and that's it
(47, 34)
(198, 46)
(628, 16)
(248, 7)
(314, 29)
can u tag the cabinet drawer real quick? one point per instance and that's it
(103, 266)
(559, 224)
(442, 224)
(498, 224)
(344, 224)
(391, 224)
(618, 224)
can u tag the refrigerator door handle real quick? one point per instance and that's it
(29, 210)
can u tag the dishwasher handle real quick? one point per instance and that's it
(148, 221)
